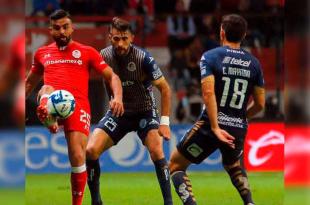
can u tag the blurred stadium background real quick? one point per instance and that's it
(177, 48)
(176, 32)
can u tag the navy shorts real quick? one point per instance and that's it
(200, 142)
(118, 127)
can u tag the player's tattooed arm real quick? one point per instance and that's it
(32, 81)
(209, 99)
(258, 102)
(116, 104)
(164, 88)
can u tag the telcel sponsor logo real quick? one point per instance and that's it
(236, 61)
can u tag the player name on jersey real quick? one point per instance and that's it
(236, 72)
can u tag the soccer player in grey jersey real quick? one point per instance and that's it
(138, 72)
(229, 76)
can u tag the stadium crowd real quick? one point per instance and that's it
(192, 27)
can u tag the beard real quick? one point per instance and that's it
(62, 40)
(121, 51)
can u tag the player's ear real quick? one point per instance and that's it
(222, 34)
(132, 37)
(50, 29)
(244, 36)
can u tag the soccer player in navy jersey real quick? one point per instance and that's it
(138, 72)
(229, 76)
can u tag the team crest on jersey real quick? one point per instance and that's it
(76, 54)
(131, 66)
(142, 123)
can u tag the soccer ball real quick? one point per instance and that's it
(61, 103)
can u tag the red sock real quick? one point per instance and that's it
(78, 182)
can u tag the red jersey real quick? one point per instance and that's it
(68, 67)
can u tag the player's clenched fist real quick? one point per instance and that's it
(117, 107)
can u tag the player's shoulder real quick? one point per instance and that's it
(254, 58)
(213, 53)
(140, 52)
(249, 56)
(45, 49)
(107, 51)
(84, 47)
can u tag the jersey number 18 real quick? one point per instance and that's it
(234, 103)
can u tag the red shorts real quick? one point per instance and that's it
(79, 120)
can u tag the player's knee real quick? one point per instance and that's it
(156, 153)
(177, 162)
(91, 153)
(77, 158)
(46, 89)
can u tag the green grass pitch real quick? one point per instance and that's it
(210, 188)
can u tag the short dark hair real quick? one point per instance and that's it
(59, 14)
(120, 25)
(235, 27)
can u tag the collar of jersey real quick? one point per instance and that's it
(62, 48)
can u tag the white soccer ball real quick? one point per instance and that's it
(61, 103)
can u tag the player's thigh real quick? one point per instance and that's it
(115, 127)
(154, 143)
(79, 120)
(178, 162)
(198, 143)
(229, 155)
(148, 124)
(76, 142)
(98, 142)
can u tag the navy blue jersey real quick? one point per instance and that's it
(236, 72)
(136, 71)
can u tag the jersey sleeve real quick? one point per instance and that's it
(96, 60)
(205, 66)
(37, 67)
(150, 66)
(259, 80)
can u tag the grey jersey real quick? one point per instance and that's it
(136, 70)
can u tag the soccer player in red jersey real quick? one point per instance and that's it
(65, 64)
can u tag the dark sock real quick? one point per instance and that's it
(93, 176)
(240, 181)
(183, 187)
(163, 177)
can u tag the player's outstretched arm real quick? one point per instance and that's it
(259, 102)
(32, 81)
(165, 91)
(116, 104)
(209, 99)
